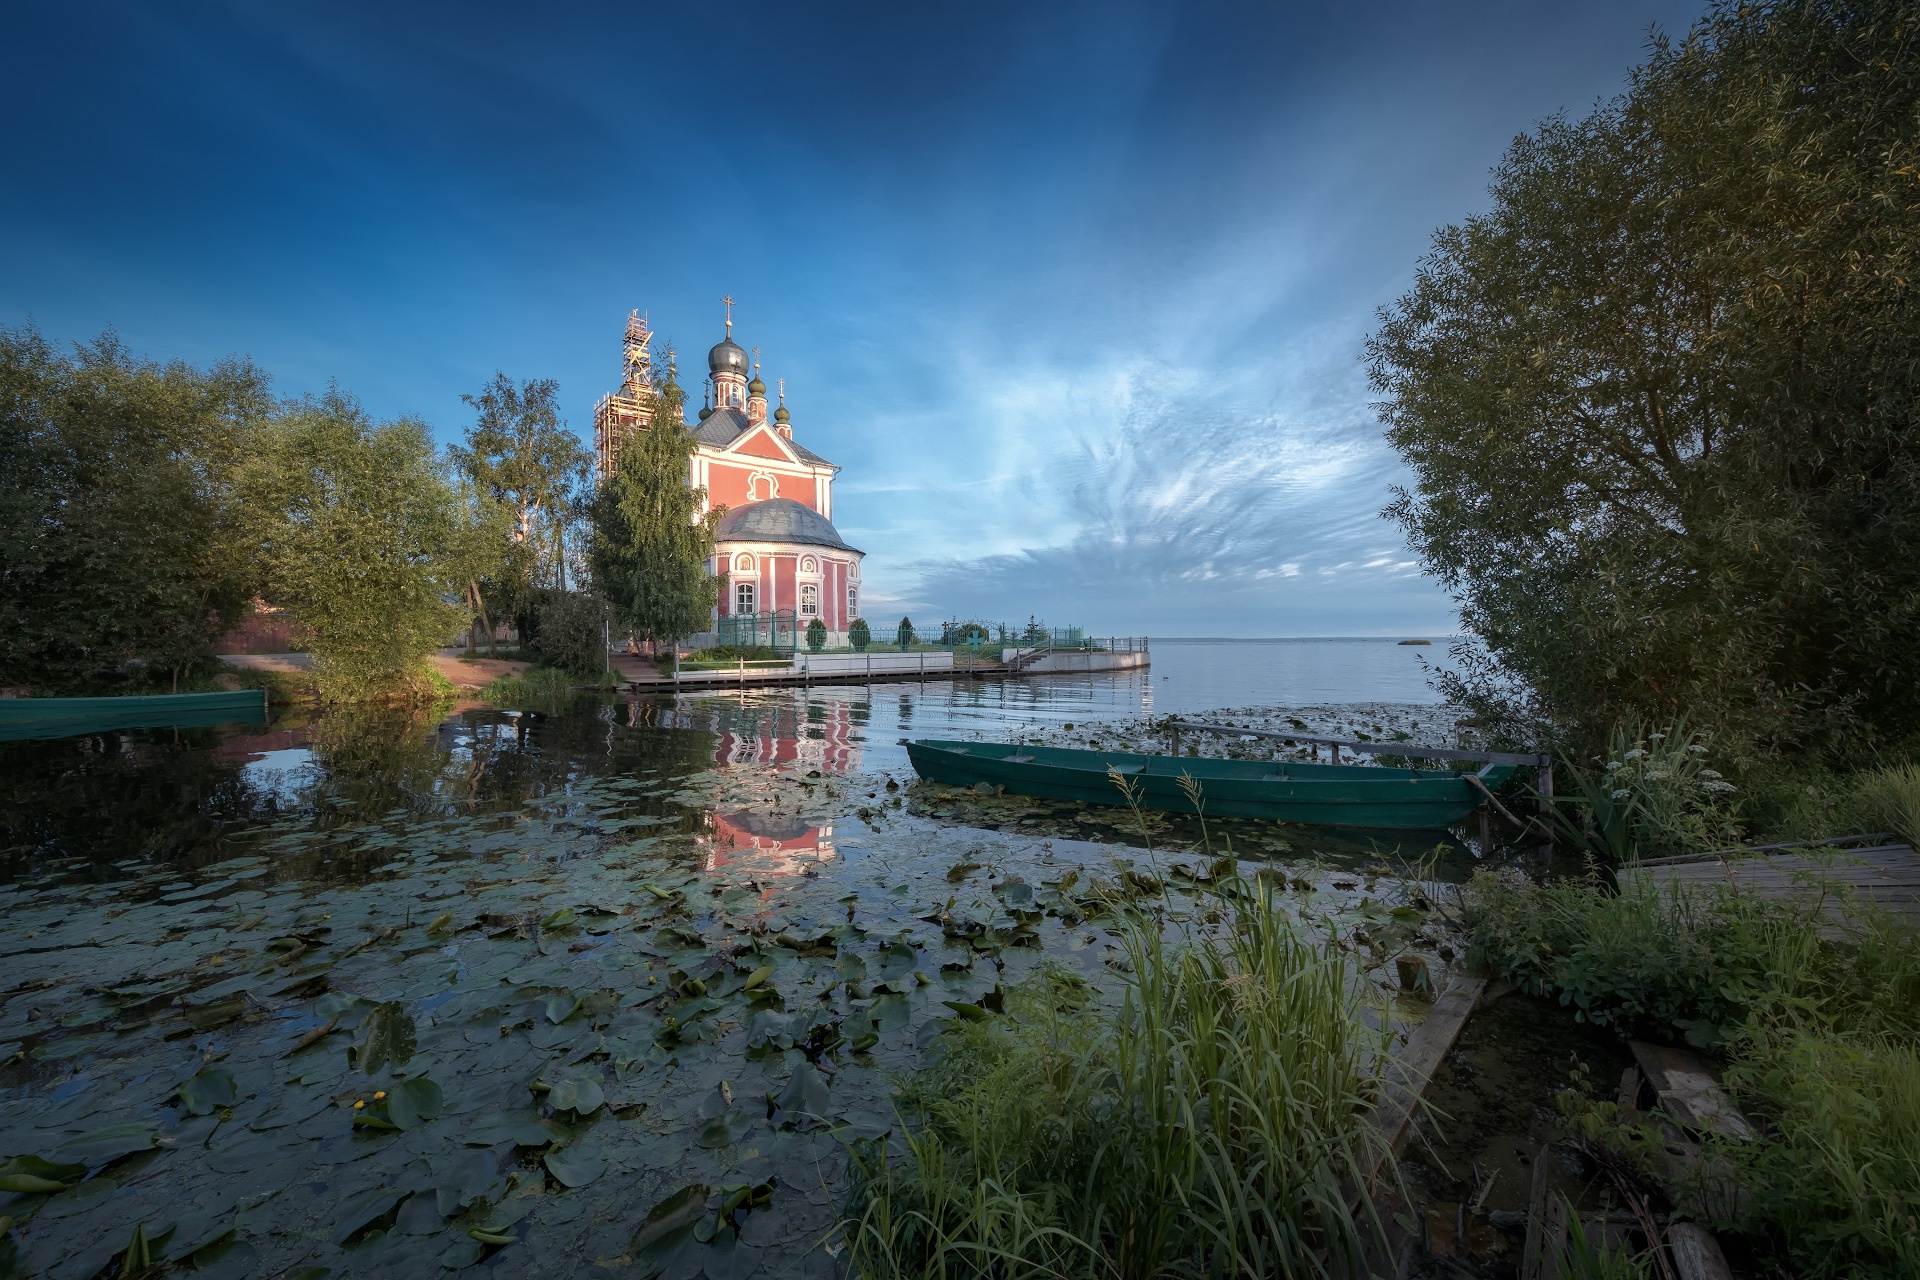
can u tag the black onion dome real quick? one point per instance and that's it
(727, 358)
(779, 520)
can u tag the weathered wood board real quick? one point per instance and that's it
(1886, 875)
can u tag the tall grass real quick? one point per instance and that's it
(1211, 1124)
(1891, 797)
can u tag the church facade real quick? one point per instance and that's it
(776, 546)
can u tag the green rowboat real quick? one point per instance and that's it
(25, 718)
(1330, 795)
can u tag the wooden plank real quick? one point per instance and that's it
(1533, 1257)
(1410, 1070)
(1696, 1254)
(1689, 1090)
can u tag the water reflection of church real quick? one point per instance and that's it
(767, 842)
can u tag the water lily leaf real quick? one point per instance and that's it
(209, 1091)
(670, 1223)
(969, 1012)
(412, 1102)
(387, 1037)
(806, 1096)
(331, 1005)
(559, 919)
(725, 1129)
(580, 1094)
(900, 961)
(523, 1128)
(759, 977)
(360, 1210)
(575, 1166)
(890, 1012)
(562, 1007)
(109, 1143)
(31, 1174)
(440, 924)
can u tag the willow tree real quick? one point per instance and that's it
(650, 543)
(1659, 400)
(359, 534)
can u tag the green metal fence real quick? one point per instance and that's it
(778, 630)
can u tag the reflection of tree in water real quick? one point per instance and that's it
(377, 760)
(151, 794)
(185, 796)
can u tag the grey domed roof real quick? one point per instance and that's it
(779, 520)
(726, 358)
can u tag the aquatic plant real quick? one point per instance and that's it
(1212, 1123)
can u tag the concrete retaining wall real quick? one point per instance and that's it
(1094, 660)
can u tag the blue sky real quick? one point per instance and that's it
(1074, 292)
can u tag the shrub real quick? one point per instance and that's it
(859, 635)
(904, 636)
(1653, 794)
(1211, 1124)
(1891, 799)
(816, 635)
(570, 631)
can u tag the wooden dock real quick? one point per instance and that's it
(1876, 870)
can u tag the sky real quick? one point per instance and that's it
(1075, 293)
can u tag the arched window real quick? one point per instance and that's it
(743, 598)
(809, 600)
(743, 563)
(853, 602)
(808, 565)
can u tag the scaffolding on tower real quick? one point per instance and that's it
(620, 413)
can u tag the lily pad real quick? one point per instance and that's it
(670, 1224)
(806, 1096)
(32, 1175)
(413, 1102)
(109, 1143)
(387, 1037)
(575, 1166)
(209, 1091)
(582, 1095)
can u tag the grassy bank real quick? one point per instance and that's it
(1208, 1122)
(1817, 1028)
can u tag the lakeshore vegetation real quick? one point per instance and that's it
(148, 507)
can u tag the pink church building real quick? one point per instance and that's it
(776, 543)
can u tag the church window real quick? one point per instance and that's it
(809, 600)
(743, 598)
(743, 563)
(853, 602)
(809, 566)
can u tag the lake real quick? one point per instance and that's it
(401, 994)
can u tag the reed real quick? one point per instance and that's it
(1209, 1122)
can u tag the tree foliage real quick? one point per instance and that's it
(519, 453)
(650, 543)
(118, 556)
(1659, 401)
(357, 527)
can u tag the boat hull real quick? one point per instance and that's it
(1316, 794)
(22, 719)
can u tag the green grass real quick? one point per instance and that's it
(1210, 1124)
(1819, 1034)
(536, 688)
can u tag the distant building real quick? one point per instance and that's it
(776, 542)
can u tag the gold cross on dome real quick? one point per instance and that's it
(729, 301)
(756, 360)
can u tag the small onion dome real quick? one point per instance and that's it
(706, 411)
(727, 358)
(757, 387)
(781, 414)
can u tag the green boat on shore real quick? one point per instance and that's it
(27, 718)
(1328, 795)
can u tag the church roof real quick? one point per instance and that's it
(723, 426)
(780, 520)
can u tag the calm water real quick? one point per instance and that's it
(611, 953)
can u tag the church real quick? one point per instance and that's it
(784, 562)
